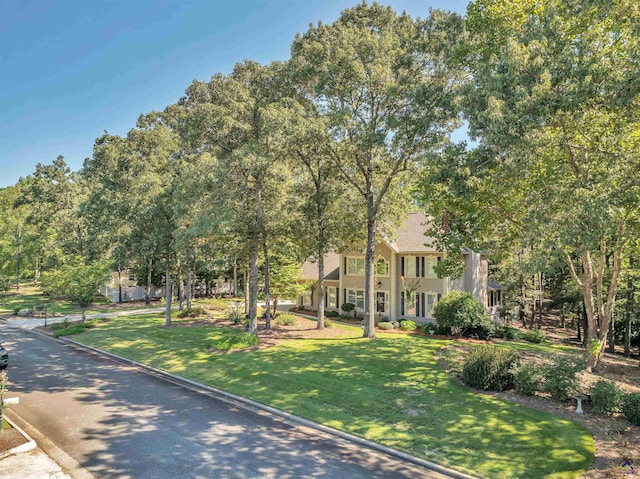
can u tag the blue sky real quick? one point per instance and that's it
(71, 69)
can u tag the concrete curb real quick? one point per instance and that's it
(248, 403)
(27, 446)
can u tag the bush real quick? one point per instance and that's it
(345, 317)
(348, 307)
(605, 397)
(560, 378)
(331, 314)
(395, 324)
(533, 336)
(489, 367)
(74, 328)
(506, 332)
(285, 319)
(191, 313)
(235, 316)
(408, 325)
(464, 315)
(527, 379)
(631, 408)
(385, 325)
(328, 323)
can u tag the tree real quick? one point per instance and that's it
(377, 78)
(285, 279)
(78, 282)
(554, 104)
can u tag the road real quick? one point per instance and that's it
(119, 422)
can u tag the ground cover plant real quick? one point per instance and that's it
(414, 406)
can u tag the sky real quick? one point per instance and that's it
(72, 69)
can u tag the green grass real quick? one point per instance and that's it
(390, 390)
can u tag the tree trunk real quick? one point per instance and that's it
(19, 260)
(84, 314)
(147, 291)
(167, 294)
(267, 302)
(180, 291)
(369, 310)
(253, 284)
(629, 310)
(119, 284)
(320, 292)
(80, 242)
(246, 292)
(235, 277)
(189, 289)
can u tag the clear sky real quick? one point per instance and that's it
(71, 69)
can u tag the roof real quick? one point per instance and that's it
(410, 237)
(492, 285)
(331, 267)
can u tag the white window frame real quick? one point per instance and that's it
(429, 263)
(353, 266)
(386, 267)
(332, 291)
(352, 297)
(429, 312)
(410, 267)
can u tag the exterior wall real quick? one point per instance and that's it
(124, 278)
(429, 290)
(475, 276)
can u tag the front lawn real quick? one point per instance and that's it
(390, 390)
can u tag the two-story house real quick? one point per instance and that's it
(406, 285)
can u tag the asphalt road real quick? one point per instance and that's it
(119, 422)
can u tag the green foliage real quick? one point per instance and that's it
(73, 329)
(385, 325)
(533, 336)
(408, 325)
(605, 397)
(331, 314)
(236, 340)
(631, 408)
(489, 367)
(461, 311)
(235, 316)
(560, 378)
(506, 332)
(526, 379)
(345, 317)
(347, 307)
(328, 323)
(193, 312)
(285, 319)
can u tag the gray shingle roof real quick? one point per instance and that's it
(331, 268)
(410, 237)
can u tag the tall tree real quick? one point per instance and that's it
(554, 104)
(377, 78)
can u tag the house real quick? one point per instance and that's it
(407, 286)
(124, 284)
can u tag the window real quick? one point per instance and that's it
(494, 298)
(430, 263)
(356, 296)
(431, 301)
(382, 267)
(132, 277)
(355, 266)
(332, 297)
(409, 266)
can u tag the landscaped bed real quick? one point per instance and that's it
(390, 390)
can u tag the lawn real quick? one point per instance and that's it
(390, 390)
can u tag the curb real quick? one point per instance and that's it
(248, 403)
(27, 446)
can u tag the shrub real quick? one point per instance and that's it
(533, 336)
(464, 315)
(408, 325)
(191, 313)
(560, 378)
(386, 325)
(348, 307)
(331, 314)
(506, 332)
(489, 367)
(395, 324)
(285, 319)
(527, 379)
(73, 328)
(605, 397)
(631, 408)
(235, 316)
(344, 317)
(328, 323)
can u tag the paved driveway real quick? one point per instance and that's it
(119, 422)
